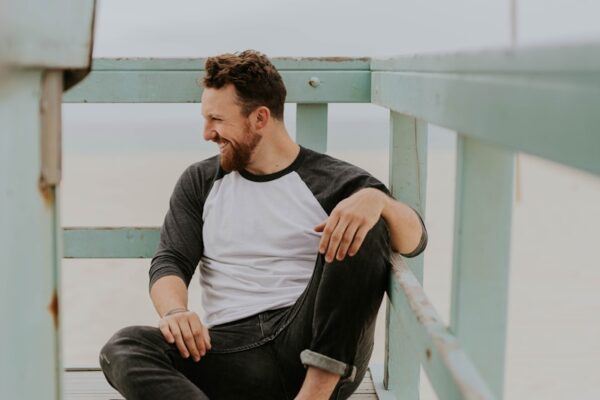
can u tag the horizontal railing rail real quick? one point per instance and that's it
(178, 81)
(539, 101)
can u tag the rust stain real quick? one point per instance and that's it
(53, 308)
(46, 191)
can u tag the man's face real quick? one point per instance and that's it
(225, 125)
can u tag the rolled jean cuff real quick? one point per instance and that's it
(313, 359)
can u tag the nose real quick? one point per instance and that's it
(209, 132)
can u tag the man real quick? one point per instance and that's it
(293, 249)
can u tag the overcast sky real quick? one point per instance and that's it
(296, 28)
(181, 28)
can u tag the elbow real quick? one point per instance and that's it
(420, 248)
(414, 251)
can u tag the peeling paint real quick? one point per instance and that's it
(466, 379)
(47, 192)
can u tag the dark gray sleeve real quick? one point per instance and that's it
(422, 243)
(181, 244)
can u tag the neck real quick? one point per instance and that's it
(274, 152)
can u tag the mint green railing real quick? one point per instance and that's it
(539, 101)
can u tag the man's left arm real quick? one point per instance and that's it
(351, 220)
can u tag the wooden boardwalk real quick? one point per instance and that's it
(89, 384)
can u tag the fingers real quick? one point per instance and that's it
(174, 326)
(328, 227)
(198, 332)
(335, 239)
(347, 240)
(320, 227)
(359, 237)
(206, 338)
(187, 333)
(188, 339)
(164, 329)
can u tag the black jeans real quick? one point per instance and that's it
(265, 356)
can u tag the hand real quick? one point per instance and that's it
(187, 332)
(350, 221)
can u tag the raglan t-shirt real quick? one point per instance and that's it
(253, 235)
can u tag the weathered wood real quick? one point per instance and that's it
(125, 242)
(484, 196)
(408, 178)
(311, 126)
(29, 246)
(197, 64)
(90, 384)
(549, 115)
(34, 35)
(579, 58)
(420, 328)
(181, 86)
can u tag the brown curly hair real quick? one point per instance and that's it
(257, 82)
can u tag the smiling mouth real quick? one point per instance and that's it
(222, 146)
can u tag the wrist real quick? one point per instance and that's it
(387, 205)
(175, 310)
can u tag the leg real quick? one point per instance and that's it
(331, 326)
(140, 364)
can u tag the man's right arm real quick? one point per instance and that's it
(173, 265)
(178, 325)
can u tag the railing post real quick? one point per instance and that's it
(30, 239)
(408, 177)
(484, 196)
(311, 126)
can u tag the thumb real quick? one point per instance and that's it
(320, 227)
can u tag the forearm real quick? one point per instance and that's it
(404, 226)
(168, 293)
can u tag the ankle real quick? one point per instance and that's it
(318, 384)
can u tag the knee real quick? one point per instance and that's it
(120, 346)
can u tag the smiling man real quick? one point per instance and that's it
(293, 248)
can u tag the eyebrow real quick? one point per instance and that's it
(212, 115)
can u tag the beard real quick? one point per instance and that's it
(236, 156)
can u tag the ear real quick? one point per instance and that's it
(263, 114)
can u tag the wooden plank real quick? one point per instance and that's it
(408, 181)
(573, 58)
(311, 126)
(29, 243)
(484, 196)
(419, 327)
(164, 86)
(197, 64)
(548, 116)
(125, 242)
(56, 37)
(90, 384)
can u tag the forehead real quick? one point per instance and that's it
(219, 101)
